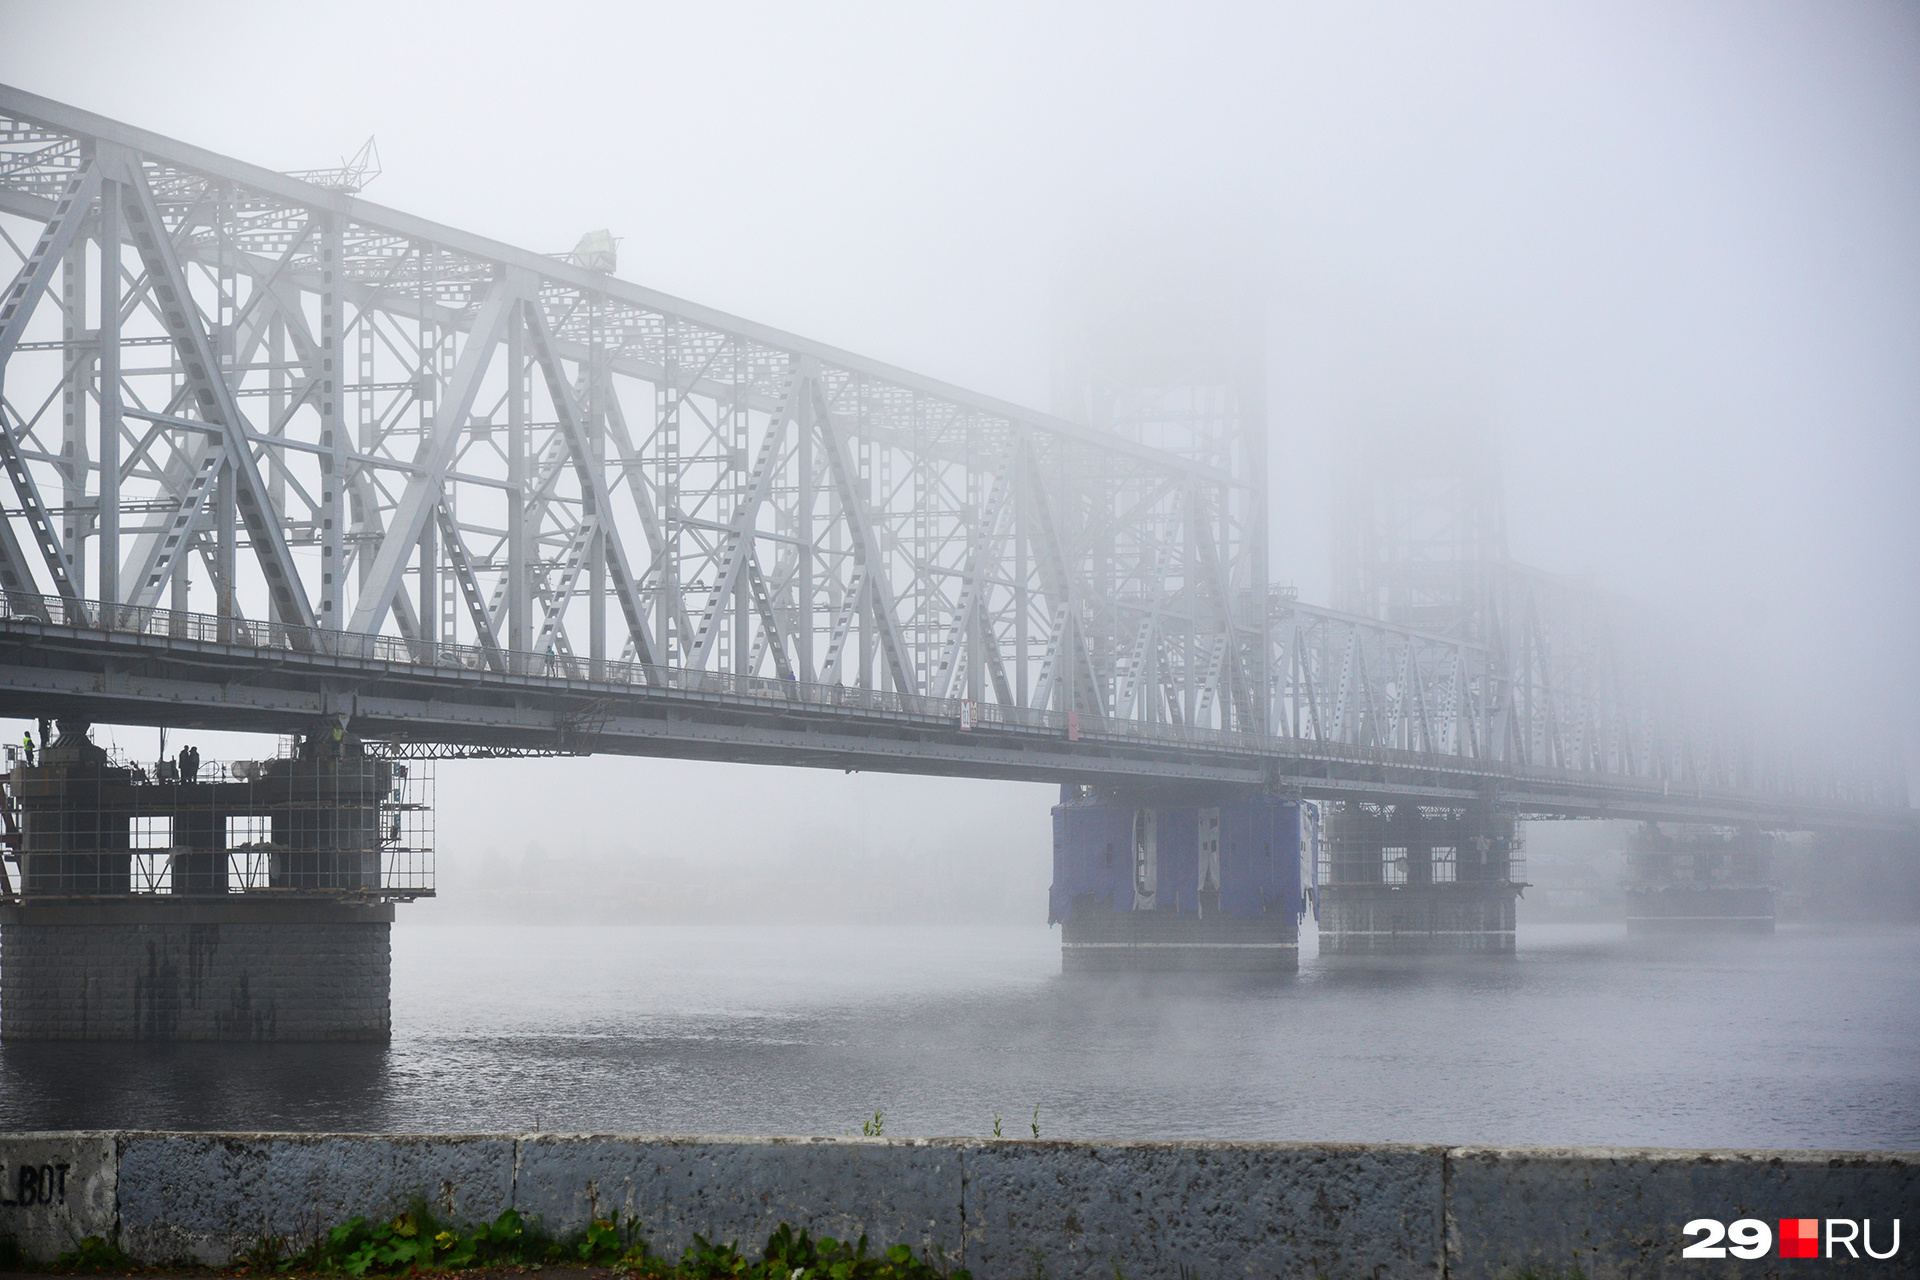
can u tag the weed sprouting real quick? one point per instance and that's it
(95, 1253)
(265, 1254)
(996, 1124)
(791, 1255)
(416, 1242)
(872, 1128)
(1036, 1119)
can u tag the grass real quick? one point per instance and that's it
(416, 1242)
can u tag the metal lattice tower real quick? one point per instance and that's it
(1420, 532)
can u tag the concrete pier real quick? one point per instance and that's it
(1171, 880)
(173, 902)
(1700, 880)
(158, 968)
(1402, 880)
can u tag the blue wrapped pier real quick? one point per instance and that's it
(1158, 881)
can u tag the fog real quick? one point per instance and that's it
(1668, 256)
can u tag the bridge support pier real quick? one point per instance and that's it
(156, 968)
(1403, 880)
(242, 904)
(1700, 880)
(1177, 880)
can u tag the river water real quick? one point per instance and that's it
(1809, 1039)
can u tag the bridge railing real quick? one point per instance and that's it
(204, 628)
(174, 624)
(588, 674)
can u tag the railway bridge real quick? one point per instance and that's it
(281, 460)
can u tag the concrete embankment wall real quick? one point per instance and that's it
(1002, 1209)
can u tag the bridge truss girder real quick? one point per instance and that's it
(234, 392)
(468, 445)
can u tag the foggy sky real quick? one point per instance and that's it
(1668, 253)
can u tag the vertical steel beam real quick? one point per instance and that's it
(519, 571)
(335, 455)
(429, 589)
(1252, 397)
(276, 352)
(109, 412)
(676, 640)
(803, 531)
(225, 543)
(77, 349)
(1022, 587)
(597, 391)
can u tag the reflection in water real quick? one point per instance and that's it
(192, 1086)
(1803, 1040)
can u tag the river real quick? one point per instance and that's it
(1809, 1039)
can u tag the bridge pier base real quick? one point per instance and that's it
(1700, 880)
(250, 903)
(1204, 881)
(1399, 880)
(155, 968)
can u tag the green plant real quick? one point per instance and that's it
(996, 1124)
(871, 1128)
(415, 1241)
(95, 1253)
(1036, 1119)
(266, 1254)
(608, 1243)
(709, 1261)
(790, 1256)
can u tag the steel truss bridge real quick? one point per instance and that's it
(278, 456)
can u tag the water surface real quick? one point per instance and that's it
(1808, 1039)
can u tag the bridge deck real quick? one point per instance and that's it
(156, 667)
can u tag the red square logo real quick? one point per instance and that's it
(1799, 1237)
